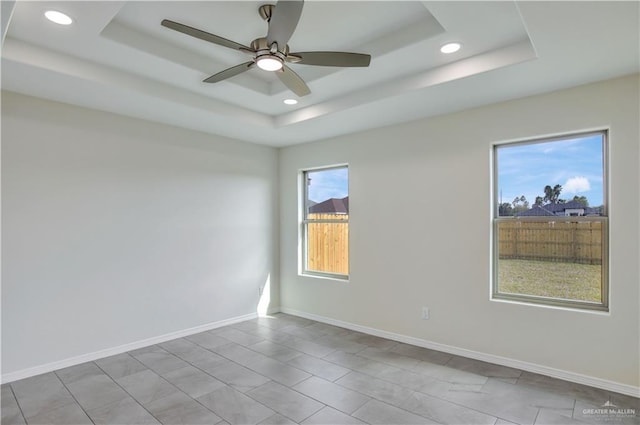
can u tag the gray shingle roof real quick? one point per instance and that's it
(571, 205)
(555, 209)
(536, 211)
(331, 206)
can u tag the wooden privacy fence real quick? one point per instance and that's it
(328, 244)
(572, 242)
(560, 241)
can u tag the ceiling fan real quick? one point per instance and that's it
(271, 52)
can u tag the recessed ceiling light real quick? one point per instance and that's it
(450, 48)
(58, 17)
(290, 101)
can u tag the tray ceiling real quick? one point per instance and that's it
(117, 57)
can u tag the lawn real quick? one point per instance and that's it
(550, 279)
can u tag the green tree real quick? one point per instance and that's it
(582, 199)
(520, 204)
(505, 209)
(552, 194)
(539, 201)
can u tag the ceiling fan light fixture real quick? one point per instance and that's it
(58, 17)
(269, 63)
(450, 48)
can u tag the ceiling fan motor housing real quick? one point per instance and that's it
(263, 50)
(261, 47)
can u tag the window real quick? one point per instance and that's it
(550, 225)
(325, 223)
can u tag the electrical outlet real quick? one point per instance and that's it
(425, 313)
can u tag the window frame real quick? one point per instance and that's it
(304, 222)
(603, 305)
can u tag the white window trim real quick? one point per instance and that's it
(495, 294)
(302, 228)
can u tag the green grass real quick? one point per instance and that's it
(549, 279)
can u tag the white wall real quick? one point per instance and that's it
(116, 230)
(420, 234)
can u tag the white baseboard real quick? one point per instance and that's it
(490, 358)
(273, 310)
(72, 361)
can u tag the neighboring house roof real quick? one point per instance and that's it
(537, 211)
(571, 205)
(331, 206)
(557, 209)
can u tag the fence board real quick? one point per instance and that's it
(328, 244)
(573, 242)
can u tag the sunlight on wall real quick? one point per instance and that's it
(265, 298)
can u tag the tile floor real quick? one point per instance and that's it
(285, 370)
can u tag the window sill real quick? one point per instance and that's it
(552, 304)
(326, 276)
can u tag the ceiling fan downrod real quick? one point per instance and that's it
(266, 11)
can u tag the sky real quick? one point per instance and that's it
(331, 183)
(575, 164)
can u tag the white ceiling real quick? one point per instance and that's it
(117, 57)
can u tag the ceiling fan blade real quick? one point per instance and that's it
(203, 35)
(332, 59)
(230, 72)
(284, 21)
(293, 81)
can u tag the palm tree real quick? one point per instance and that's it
(552, 194)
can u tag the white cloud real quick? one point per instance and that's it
(576, 185)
